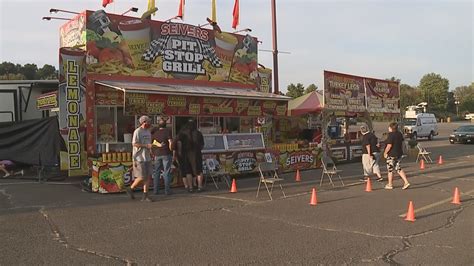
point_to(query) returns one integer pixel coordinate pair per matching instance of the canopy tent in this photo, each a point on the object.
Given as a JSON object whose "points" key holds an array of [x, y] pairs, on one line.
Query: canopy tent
{"points": [[309, 103]]}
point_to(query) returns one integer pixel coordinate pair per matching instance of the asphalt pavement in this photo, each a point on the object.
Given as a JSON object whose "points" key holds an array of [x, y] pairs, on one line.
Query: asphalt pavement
{"points": [[58, 223]]}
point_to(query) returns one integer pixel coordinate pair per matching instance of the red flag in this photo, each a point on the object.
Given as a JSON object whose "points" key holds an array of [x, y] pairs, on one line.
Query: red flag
{"points": [[235, 15], [181, 9], [106, 2]]}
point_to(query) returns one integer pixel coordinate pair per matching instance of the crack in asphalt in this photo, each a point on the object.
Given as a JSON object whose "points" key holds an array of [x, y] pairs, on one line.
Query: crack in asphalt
{"points": [[389, 256], [61, 239]]}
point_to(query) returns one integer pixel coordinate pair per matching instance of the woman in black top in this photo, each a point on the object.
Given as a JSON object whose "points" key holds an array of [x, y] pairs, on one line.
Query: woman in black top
{"points": [[191, 142], [393, 152]]}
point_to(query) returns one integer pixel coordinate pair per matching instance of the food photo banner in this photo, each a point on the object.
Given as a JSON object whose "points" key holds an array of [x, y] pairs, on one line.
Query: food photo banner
{"points": [[120, 45], [356, 94], [382, 96], [343, 92], [141, 103]]}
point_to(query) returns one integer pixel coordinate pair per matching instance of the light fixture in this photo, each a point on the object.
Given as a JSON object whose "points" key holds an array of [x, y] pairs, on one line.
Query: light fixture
{"points": [[56, 18], [55, 10], [243, 30], [132, 9]]}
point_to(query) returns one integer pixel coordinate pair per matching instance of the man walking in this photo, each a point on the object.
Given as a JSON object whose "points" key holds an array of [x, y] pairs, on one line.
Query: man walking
{"points": [[370, 154], [393, 152], [162, 146], [141, 156]]}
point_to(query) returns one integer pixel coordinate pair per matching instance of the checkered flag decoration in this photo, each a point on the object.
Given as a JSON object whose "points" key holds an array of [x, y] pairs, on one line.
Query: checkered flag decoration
{"points": [[156, 49], [210, 54]]}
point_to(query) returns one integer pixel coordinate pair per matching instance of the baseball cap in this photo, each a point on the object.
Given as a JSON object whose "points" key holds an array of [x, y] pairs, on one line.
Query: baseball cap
{"points": [[364, 130], [144, 119]]}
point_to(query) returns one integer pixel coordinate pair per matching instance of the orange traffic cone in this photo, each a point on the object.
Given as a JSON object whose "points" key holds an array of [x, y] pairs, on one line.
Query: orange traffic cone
{"points": [[411, 213], [440, 160], [298, 176], [456, 197], [314, 199], [422, 164], [233, 189], [368, 187]]}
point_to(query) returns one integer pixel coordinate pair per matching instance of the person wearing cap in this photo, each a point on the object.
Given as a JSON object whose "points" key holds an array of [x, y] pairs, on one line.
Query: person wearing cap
{"points": [[370, 154], [141, 156]]}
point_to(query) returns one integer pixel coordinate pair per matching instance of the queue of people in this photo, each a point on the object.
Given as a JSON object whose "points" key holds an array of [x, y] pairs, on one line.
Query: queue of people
{"points": [[155, 152]]}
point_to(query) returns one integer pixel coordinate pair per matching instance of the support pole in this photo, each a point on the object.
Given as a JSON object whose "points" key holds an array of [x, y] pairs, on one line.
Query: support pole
{"points": [[275, 49]]}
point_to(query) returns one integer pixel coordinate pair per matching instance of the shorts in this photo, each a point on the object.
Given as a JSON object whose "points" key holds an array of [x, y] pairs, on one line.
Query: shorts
{"points": [[393, 163], [371, 165], [142, 169]]}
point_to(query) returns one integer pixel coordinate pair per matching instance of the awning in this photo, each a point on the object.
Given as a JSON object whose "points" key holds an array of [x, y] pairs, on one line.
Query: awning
{"points": [[306, 104], [149, 98], [236, 93]]}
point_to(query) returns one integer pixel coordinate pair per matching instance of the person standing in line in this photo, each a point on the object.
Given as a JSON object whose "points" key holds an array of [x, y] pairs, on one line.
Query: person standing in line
{"points": [[162, 146], [370, 154], [141, 156], [393, 153], [195, 154]]}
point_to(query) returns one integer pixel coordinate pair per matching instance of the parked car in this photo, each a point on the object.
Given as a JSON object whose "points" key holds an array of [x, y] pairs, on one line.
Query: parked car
{"points": [[463, 134], [469, 116]]}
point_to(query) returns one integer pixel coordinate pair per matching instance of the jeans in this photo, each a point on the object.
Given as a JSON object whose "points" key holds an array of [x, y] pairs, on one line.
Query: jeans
{"points": [[162, 163]]}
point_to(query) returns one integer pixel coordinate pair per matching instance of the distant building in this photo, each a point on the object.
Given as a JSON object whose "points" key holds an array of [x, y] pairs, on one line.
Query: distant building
{"points": [[18, 99]]}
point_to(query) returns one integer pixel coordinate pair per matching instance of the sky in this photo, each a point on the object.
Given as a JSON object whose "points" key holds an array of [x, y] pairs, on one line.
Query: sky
{"points": [[405, 39]]}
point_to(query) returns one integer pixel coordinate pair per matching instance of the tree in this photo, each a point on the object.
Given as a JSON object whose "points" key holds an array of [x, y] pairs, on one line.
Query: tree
{"points": [[295, 91], [47, 72], [465, 96], [310, 88], [29, 71], [434, 91], [408, 96]]}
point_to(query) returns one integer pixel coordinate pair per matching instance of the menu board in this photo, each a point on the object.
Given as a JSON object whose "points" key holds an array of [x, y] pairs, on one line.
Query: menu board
{"points": [[343, 92], [250, 141], [213, 143], [382, 96]]}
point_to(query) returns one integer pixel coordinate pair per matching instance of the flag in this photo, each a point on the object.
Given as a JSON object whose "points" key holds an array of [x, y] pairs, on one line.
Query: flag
{"points": [[213, 11], [151, 5], [106, 2], [235, 15], [181, 9]]}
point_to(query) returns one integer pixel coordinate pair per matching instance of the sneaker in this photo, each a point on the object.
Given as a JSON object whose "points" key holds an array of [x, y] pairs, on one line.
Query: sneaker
{"points": [[388, 186], [146, 198], [380, 179], [200, 190], [130, 193], [7, 175], [406, 186], [363, 179]]}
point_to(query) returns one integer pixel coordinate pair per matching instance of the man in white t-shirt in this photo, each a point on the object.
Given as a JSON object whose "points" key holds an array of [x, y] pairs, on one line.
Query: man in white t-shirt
{"points": [[141, 156]]}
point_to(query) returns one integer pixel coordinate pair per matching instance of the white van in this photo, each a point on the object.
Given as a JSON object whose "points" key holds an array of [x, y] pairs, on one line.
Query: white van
{"points": [[421, 125]]}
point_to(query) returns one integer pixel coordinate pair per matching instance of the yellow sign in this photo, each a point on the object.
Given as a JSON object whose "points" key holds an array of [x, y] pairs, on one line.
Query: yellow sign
{"points": [[72, 97], [47, 101]]}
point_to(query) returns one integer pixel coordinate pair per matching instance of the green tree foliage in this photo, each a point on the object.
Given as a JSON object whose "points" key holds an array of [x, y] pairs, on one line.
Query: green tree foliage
{"points": [[295, 91], [47, 72], [465, 96], [434, 91], [310, 88], [10, 71], [408, 96], [29, 71]]}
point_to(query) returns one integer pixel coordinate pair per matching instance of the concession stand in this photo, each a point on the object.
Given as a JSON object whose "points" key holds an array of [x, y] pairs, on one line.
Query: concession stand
{"points": [[299, 134], [349, 102], [115, 68]]}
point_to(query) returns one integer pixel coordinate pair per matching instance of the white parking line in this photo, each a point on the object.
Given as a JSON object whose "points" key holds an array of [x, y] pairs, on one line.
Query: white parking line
{"points": [[432, 205]]}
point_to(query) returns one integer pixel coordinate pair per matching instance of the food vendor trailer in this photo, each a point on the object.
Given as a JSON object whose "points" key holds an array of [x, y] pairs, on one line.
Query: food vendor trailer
{"points": [[351, 101], [115, 68]]}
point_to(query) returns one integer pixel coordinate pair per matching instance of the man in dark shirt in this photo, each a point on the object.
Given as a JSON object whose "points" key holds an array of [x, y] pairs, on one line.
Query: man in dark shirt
{"points": [[393, 152], [162, 143], [370, 154]]}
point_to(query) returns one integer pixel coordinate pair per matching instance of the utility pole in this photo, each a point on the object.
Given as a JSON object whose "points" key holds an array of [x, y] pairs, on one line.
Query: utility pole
{"points": [[275, 49]]}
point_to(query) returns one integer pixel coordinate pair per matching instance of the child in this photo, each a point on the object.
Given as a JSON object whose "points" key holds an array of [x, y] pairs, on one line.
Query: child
{"points": [[7, 164]]}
